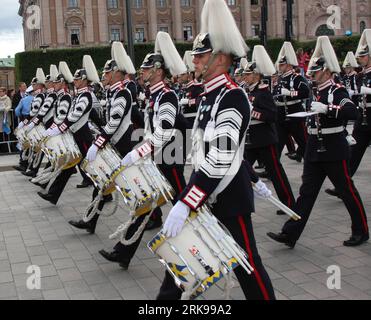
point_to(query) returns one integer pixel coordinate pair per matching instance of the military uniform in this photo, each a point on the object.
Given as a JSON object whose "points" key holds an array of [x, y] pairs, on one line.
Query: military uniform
{"points": [[329, 159], [262, 141], [293, 104], [362, 127], [223, 179]]}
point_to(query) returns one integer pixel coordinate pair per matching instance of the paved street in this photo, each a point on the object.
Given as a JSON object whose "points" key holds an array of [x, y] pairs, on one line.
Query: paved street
{"points": [[32, 232]]}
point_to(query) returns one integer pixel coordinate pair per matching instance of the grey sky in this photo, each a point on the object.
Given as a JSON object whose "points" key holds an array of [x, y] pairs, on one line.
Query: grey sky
{"points": [[11, 33]]}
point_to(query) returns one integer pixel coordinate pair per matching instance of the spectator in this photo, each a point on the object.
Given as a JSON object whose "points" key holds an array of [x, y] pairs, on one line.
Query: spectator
{"points": [[5, 107], [21, 93], [22, 111], [301, 60]]}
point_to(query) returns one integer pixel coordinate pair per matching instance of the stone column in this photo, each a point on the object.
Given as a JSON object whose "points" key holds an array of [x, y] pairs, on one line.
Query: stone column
{"points": [[89, 27], [246, 19], [152, 20], [198, 7], [103, 22], [177, 21], [280, 23], [61, 30], [45, 20], [301, 19], [353, 16]]}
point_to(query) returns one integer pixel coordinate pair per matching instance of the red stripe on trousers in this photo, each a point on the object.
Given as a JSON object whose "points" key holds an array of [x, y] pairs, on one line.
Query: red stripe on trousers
{"points": [[177, 180], [276, 166], [363, 216], [249, 252]]}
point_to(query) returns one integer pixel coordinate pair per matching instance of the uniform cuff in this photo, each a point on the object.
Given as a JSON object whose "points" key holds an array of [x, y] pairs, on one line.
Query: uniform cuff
{"points": [[194, 198], [63, 127], [145, 150], [100, 142]]}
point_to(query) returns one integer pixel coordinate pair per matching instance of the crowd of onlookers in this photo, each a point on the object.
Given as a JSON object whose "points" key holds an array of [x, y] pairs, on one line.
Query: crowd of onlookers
{"points": [[10, 102]]}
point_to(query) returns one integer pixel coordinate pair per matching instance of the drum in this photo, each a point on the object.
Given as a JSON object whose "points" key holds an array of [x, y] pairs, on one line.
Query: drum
{"points": [[201, 254], [35, 137], [142, 185], [22, 138], [62, 151]]}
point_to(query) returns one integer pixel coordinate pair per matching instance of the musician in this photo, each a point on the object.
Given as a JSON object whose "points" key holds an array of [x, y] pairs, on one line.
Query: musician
{"points": [[119, 128], [162, 111], [45, 113], [293, 91], [327, 153], [220, 177], [261, 141], [77, 122], [38, 84]]}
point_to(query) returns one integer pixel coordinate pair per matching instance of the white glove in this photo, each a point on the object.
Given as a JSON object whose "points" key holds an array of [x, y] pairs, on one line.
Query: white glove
{"points": [[130, 158], [184, 102], [92, 153], [319, 107], [285, 92], [30, 126], [141, 96], [365, 90], [52, 132], [261, 190], [351, 93], [21, 125], [351, 140], [176, 219]]}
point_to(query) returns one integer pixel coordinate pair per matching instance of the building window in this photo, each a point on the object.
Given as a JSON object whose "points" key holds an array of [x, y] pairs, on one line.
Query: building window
{"points": [[231, 3], [75, 37], [164, 29], [161, 3], [115, 35], [362, 26], [254, 2], [256, 30], [185, 3], [137, 4], [139, 35], [324, 30], [112, 4], [72, 4], [188, 33]]}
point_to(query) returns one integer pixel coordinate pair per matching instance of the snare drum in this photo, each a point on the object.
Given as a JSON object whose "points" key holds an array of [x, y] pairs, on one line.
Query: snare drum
{"points": [[142, 185], [201, 254], [62, 151]]}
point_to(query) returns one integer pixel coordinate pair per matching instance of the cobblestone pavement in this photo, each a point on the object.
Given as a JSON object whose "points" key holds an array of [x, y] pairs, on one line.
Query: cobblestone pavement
{"points": [[32, 232]]}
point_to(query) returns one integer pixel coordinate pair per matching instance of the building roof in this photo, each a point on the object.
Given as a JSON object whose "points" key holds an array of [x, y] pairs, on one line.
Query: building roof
{"points": [[7, 62]]}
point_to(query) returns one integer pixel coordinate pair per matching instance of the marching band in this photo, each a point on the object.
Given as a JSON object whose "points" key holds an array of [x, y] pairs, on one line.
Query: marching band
{"points": [[91, 122]]}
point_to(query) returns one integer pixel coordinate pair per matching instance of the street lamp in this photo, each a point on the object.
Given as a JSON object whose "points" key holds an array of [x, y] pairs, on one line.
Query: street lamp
{"points": [[264, 19], [289, 30]]}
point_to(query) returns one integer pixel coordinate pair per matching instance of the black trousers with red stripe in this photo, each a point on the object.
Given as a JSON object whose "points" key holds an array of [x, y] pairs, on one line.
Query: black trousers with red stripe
{"points": [[363, 139], [256, 286], [313, 177], [269, 156], [297, 130], [175, 176]]}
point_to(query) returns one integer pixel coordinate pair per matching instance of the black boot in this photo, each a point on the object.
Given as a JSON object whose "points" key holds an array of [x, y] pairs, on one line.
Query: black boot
{"points": [[356, 240], [20, 168], [115, 256], [84, 184], [48, 197], [295, 157], [333, 193], [280, 213], [81, 224], [282, 238], [30, 173]]}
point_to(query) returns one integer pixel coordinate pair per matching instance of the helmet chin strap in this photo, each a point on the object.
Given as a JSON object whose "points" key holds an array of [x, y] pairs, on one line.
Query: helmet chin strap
{"points": [[207, 66], [147, 82]]}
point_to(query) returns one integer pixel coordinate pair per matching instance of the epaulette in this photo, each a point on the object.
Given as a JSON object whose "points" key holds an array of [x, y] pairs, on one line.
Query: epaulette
{"points": [[263, 86]]}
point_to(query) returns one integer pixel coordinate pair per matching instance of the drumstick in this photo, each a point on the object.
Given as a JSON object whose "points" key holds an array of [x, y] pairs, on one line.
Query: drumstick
{"points": [[281, 206]]}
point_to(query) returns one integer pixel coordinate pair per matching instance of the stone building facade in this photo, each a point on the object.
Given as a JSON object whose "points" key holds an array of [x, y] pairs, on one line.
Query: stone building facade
{"points": [[69, 23]]}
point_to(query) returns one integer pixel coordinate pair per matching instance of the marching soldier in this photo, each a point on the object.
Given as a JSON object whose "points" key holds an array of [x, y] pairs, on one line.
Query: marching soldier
{"points": [[163, 110], [292, 92], [77, 122], [261, 141], [220, 177], [119, 128], [362, 127], [327, 153]]}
